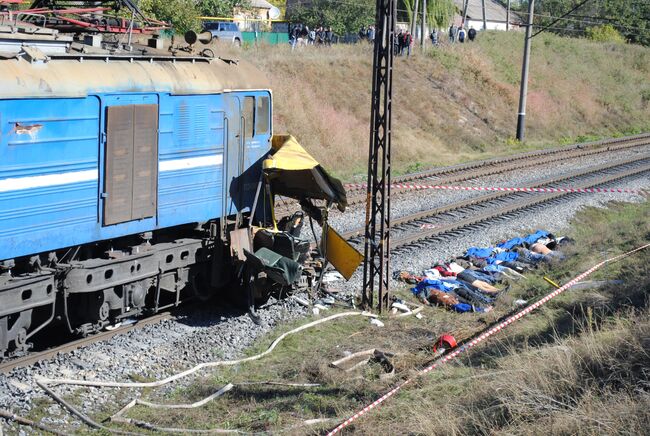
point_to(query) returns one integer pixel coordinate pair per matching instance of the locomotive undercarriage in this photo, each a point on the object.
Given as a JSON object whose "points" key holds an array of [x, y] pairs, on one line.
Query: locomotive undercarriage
{"points": [[87, 295]]}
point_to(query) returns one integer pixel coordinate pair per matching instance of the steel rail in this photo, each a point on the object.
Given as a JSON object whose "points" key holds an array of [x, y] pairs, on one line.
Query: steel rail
{"points": [[498, 165], [460, 173], [32, 358], [481, 199], [531, 202]]}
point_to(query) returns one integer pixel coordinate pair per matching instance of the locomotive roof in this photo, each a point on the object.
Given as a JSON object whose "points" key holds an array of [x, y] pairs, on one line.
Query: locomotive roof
{"points": [[66, 69]]}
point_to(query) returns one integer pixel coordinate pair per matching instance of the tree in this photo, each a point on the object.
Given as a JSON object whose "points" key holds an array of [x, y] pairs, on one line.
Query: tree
{"points": [[439, 12], [629, 17], [183, 15], [605, 33], [221, 8], [343, 16]]}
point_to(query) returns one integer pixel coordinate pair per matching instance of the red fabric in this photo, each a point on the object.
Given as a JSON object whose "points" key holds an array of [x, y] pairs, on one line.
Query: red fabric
{"points": [[444, 271]]}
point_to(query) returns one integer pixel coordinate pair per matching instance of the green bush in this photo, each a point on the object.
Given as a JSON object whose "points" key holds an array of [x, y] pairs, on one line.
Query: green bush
{"points": [[604, 33], [183, 15]]}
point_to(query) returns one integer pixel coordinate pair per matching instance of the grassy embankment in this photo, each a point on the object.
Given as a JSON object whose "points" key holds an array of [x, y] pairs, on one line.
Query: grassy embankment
{"points": [[457, 102], [578, 365]]}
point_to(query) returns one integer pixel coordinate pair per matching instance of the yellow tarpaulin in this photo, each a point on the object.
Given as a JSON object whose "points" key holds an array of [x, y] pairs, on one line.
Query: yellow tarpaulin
{"points": [[293, 172], [289, 155]]}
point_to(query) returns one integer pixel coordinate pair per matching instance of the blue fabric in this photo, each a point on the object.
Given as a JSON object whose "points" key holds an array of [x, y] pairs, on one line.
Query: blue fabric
{"points": [[532, 238], [506, 256], [464, 307], [461, 289], [511, 243], [441, 285], [493, 268], [479, 252]]}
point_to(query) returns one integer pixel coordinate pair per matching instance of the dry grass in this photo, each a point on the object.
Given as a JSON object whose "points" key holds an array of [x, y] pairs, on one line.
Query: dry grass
{"points": [[579, 365], [456, 103]]}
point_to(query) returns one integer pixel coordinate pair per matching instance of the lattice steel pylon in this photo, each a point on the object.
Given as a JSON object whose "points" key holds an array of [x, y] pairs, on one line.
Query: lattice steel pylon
{"points": [[376, 271]]}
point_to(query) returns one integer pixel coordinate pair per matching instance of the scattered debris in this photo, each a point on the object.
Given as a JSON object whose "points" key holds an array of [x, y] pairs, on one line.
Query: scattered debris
{"points": [[519, 303], [300, 301], [401, 306], [375, 321], [332, 276], [369, 356]]}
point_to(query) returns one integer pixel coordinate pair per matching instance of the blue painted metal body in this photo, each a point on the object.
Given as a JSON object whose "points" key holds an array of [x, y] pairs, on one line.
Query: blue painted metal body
{"points": [[52, 165]]}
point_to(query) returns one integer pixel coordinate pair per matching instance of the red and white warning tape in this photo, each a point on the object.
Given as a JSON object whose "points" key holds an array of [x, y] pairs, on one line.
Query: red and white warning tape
{"points": [[492, 188], [495, 329]]}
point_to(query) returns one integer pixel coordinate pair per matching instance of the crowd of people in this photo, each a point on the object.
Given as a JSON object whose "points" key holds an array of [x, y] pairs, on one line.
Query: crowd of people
{"points": [[403, 43], [303, 35], [457, 34], [367, 33]]}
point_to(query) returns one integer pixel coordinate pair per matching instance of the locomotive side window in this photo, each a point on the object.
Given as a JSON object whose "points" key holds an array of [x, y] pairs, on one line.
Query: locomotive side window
{"points": [[249, 116], [262, 115]]}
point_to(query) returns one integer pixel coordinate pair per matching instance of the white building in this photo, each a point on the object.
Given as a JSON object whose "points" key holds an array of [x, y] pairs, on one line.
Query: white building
{"points": [[495, 15]]}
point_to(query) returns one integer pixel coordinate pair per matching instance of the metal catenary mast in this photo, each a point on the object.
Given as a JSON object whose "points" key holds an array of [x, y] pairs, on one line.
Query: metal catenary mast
{"points": [[376, 272]]}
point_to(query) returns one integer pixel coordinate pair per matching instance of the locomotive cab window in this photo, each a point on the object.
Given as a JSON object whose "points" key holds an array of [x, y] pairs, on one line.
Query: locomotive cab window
{"points": [[249, 116], [262, 116]]}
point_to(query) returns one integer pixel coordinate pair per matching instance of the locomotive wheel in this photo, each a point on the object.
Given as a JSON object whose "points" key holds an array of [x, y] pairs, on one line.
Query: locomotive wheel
{"points": [[104, 311], [202, 290], [21, 339]]}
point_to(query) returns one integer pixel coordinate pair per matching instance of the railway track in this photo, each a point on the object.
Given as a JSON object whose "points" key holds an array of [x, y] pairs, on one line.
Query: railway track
{"points": [[490, 167], [501, 165], [491, 200], [476, 212], [32, 358]]}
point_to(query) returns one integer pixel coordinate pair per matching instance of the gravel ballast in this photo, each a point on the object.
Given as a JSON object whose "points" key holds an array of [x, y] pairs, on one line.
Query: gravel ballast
{"points": [[212, 333]]}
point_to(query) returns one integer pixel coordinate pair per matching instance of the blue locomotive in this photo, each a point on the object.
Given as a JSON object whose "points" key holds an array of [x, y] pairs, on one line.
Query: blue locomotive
{"points": [[115, 174]]}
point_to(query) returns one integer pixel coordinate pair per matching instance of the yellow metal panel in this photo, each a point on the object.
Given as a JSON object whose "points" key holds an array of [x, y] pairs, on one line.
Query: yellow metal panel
{"points": [[345, 258]]}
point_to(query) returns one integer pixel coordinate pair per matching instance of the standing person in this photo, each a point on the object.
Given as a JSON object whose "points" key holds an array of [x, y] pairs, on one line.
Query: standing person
{"points": [[303, 35], [400, 42], [461, 35], [471, 33], [453, 30], [434, 37], [329, 36], [294, 36], [362, 33], [408, 41], [371, 34], [312, 36], [320, 36]]}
